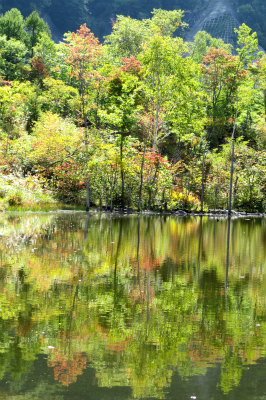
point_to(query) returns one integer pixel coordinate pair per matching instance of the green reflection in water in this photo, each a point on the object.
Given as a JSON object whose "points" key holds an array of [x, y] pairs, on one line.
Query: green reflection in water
{"points": [[105, 307]]}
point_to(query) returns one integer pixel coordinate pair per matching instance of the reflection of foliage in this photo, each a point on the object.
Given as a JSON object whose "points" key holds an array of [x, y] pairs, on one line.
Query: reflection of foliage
{"points": [[66, 371], [135, 297]]}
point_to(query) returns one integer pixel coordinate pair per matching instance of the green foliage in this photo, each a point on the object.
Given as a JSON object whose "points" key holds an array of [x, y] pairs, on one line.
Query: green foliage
{"points": [[59, 98], [203, 41], [127, 38], [129, 35], [12, 58], [12, 25], [142, 121], [28, 191], [35, 26]]}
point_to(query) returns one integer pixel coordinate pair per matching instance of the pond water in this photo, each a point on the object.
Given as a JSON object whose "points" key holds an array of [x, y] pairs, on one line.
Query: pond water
{"points": [[126, 307]]}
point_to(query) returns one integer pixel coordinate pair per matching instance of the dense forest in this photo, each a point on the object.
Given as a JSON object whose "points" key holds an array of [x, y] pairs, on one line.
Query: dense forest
{"points": [[99, 14], [144, 120]]}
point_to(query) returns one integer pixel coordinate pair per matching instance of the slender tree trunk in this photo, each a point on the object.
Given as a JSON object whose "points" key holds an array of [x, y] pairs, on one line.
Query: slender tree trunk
{"points": [[128, 197], [156, 127], [122, 174], [88, 195], [202, 180], [234, 192], [216, 197], [231, 177], [85, 122], [216, 189], [149, 202], [101, 203], [106, 200], [113, 181], [210, 134], [162, 200], [96, 111], [232, 166], [111, 198], [141, 176]]}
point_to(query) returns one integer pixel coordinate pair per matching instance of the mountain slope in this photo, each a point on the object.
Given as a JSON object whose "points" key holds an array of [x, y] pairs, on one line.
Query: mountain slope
{"points": [[218, 17]]}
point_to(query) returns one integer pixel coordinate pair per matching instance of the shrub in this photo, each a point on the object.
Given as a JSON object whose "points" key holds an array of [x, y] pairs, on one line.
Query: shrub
{"points": [[184, 201]]}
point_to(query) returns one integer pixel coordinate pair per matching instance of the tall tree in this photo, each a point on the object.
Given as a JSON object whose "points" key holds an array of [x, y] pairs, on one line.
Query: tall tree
{"points": [[35, 26], [12, 25], [83, 57]]}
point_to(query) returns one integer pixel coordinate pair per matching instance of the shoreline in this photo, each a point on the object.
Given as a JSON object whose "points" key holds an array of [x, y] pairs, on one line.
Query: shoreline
{"points": [[219, 214]]}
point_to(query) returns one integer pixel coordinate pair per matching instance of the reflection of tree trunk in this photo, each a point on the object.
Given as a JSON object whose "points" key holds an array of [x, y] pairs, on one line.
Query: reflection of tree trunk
{"points": [[109, 229], [68, 332], [148, 297], [116, 257], [199, 247], [227, 252], [86, 229], [138, 244]]}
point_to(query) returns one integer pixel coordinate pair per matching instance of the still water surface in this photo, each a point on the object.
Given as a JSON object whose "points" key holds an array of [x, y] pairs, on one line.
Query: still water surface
{"points": [[101, 308]]}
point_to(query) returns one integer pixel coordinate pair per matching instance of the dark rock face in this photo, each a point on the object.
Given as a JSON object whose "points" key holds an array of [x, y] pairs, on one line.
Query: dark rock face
{"points": [[219, 19]]}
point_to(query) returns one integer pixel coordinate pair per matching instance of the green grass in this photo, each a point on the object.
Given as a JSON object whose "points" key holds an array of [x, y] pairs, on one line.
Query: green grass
{"points": [[46, 207]]}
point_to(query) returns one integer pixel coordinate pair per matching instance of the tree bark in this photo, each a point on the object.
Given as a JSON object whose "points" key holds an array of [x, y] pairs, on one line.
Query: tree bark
{"points": [[202, 180], [122, 174], [156, 128], [141, 176], [232, 167], [88, 195]]}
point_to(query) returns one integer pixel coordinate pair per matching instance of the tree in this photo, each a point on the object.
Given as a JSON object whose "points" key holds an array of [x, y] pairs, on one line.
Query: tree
{"points": [[35, 26], [122, 107], [159, 61], [129, 35], [12, 25], [203, 41], [126, 39], [59, 98], [83, 57], [12, 58]]}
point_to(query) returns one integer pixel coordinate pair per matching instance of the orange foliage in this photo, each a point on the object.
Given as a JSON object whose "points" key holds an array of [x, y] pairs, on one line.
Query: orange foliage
{"points": [[131, 65], [67, 371]]}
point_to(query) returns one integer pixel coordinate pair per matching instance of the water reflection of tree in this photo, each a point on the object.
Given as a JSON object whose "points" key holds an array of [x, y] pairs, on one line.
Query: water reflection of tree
{"points": [[125, 297]]}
